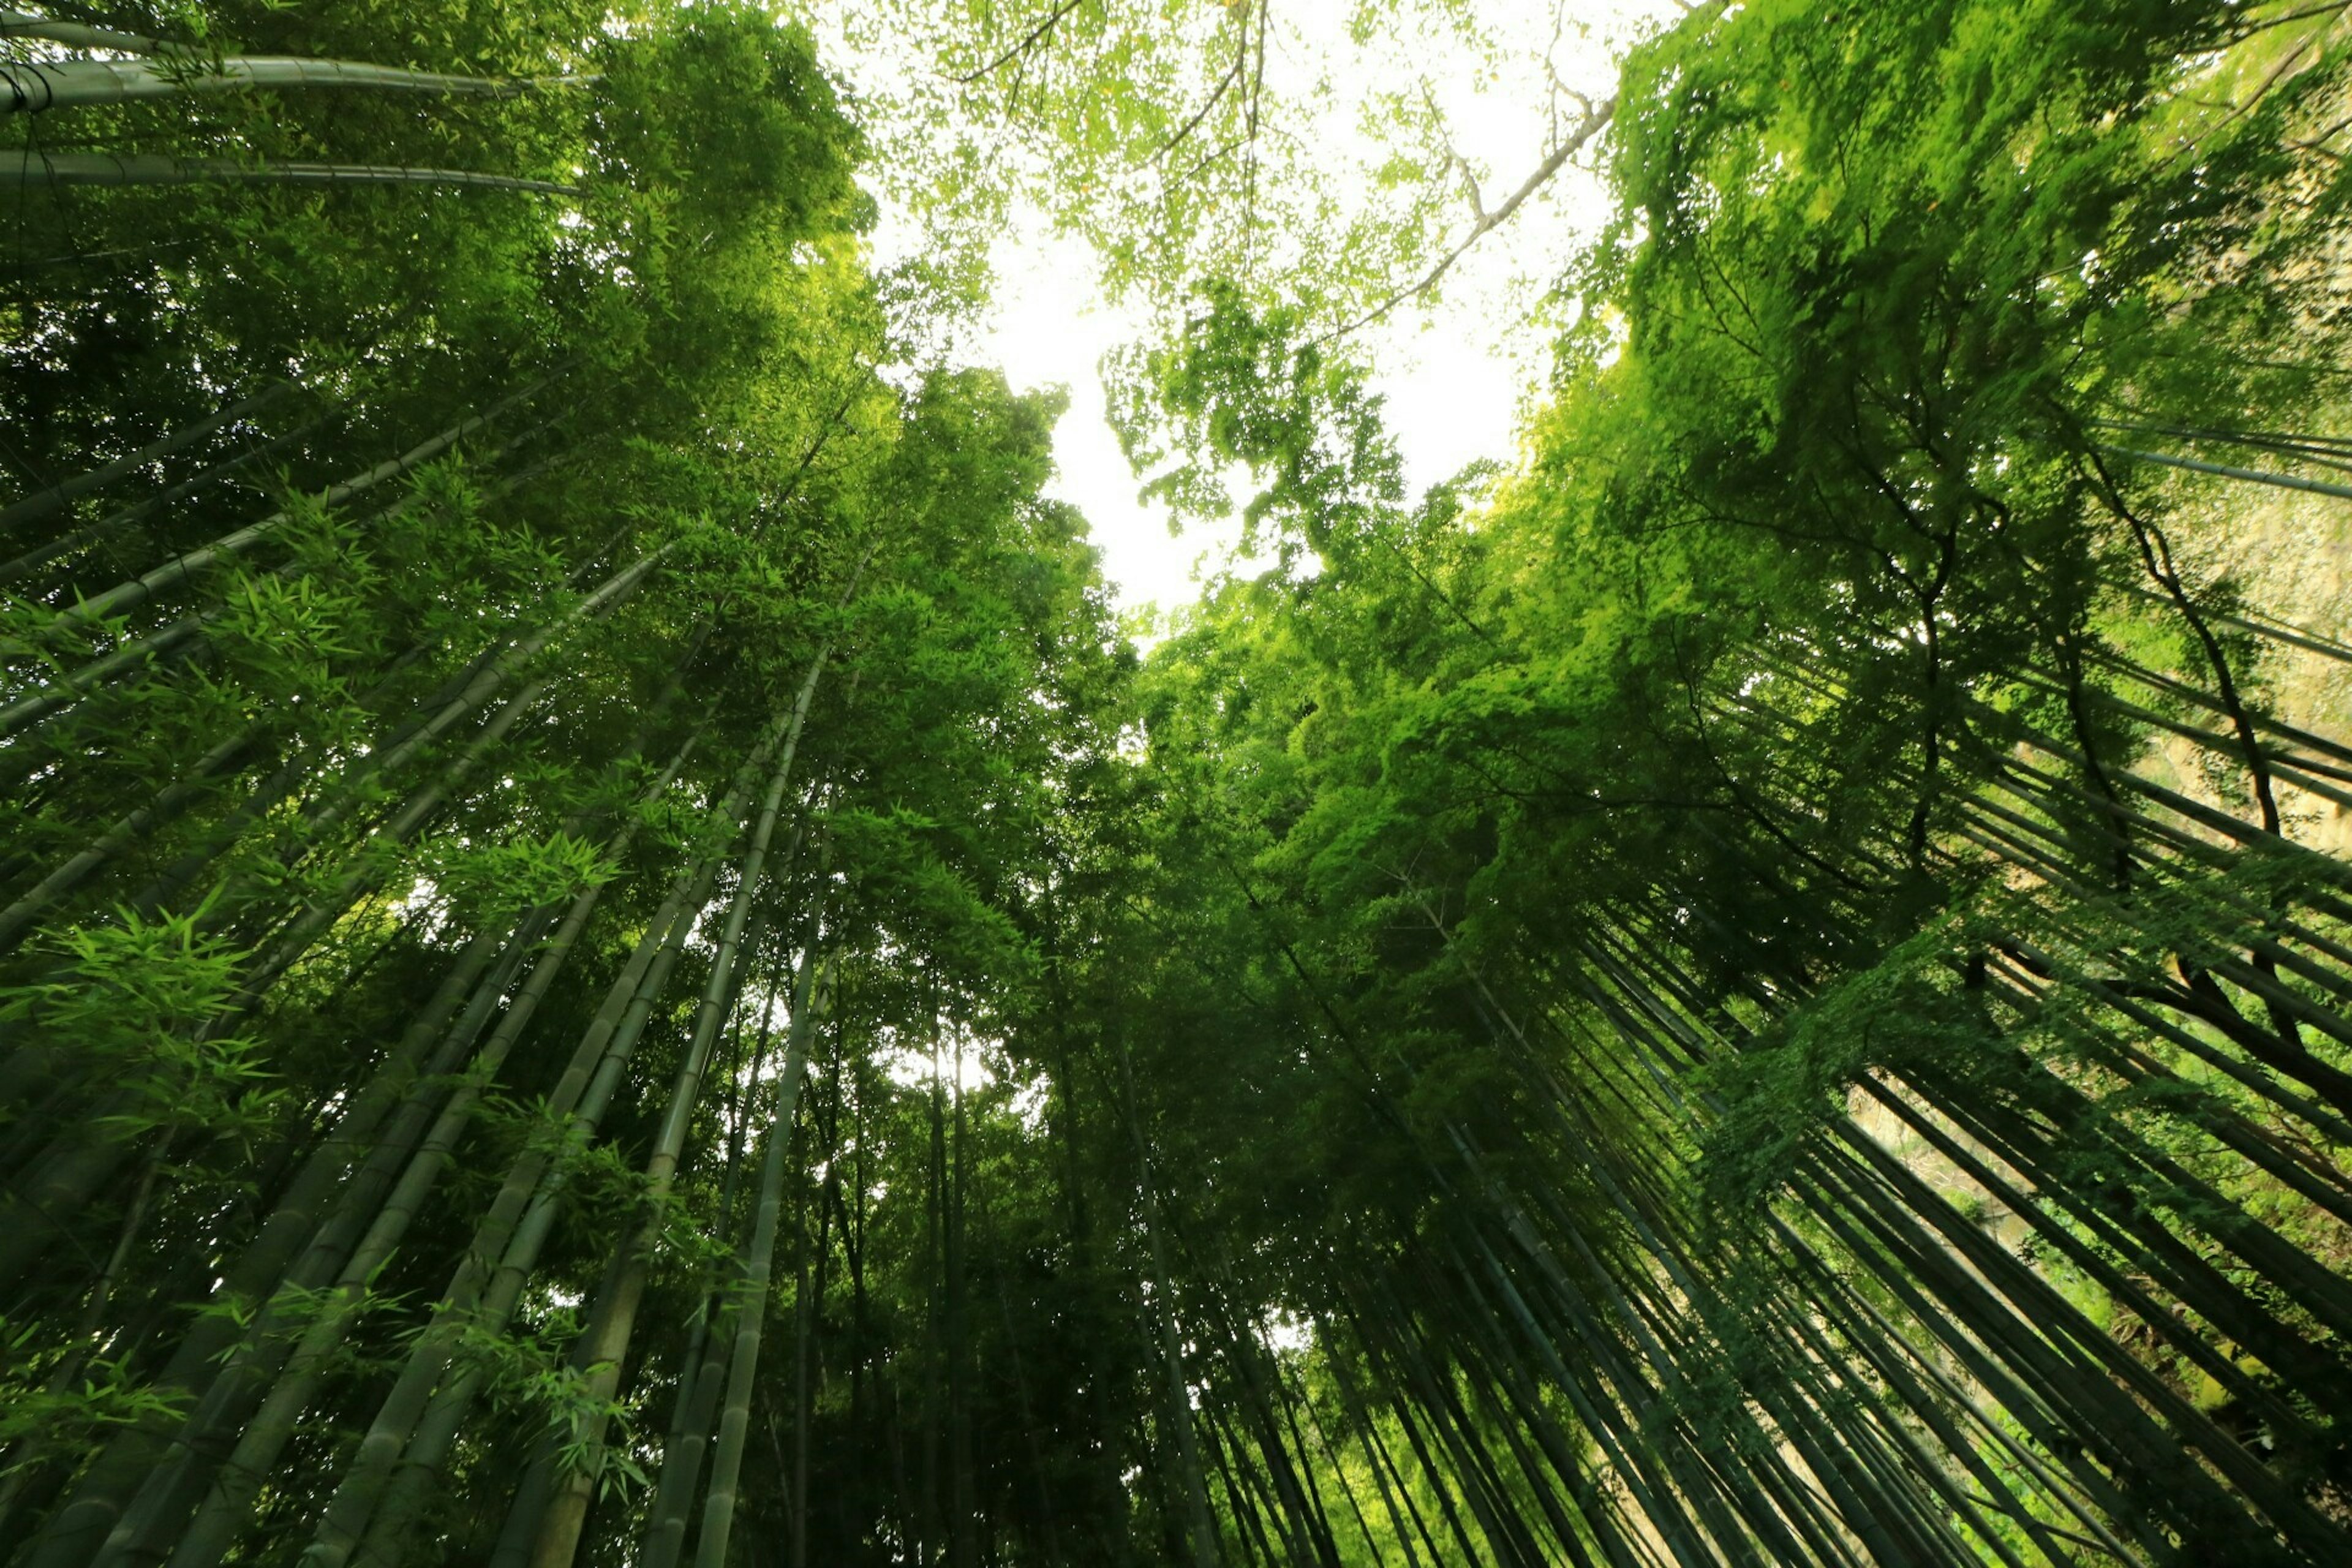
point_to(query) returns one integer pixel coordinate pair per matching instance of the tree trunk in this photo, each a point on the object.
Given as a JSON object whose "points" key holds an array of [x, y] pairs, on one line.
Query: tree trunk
{"points": [[34, 87], [52, 499], [704, 1368], [29, 169], [1201, 1530], [607, 1339], [759, 1265]]}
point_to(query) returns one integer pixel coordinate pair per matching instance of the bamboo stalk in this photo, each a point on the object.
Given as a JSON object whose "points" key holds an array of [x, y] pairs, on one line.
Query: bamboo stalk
{"points": [[36, 87], [26, 169]]}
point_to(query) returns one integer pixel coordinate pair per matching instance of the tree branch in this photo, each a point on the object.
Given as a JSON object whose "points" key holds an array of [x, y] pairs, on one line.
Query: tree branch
{"points": [[1595, 121], [1456, 161], [1029, 41], [1225, 84]]}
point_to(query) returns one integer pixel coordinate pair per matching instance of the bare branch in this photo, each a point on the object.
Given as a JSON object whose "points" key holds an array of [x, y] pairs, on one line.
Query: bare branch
{"points": [[1257, 76], [1029, 41], [1254, 97], [1205, 159], [1225, 84], [2292, 63], [1595, 121], [2250, 26], [1455, 160]]}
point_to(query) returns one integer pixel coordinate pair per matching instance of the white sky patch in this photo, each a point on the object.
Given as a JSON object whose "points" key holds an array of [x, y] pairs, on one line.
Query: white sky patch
{"points": [[1289, 1334], [1031, 1102], [911, 1064], [423, 907], [1051, 326], [1457, 371]]}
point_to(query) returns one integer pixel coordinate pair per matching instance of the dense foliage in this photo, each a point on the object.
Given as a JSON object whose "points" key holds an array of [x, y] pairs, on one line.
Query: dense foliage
{"points": [[608, 956]]}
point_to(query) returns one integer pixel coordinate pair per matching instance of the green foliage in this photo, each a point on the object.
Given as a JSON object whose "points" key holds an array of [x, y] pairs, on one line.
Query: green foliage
{"points": [[1242, 387], [47, 1398], [518, 875], [141, 1002], [1729, 991], [524, 1377]]}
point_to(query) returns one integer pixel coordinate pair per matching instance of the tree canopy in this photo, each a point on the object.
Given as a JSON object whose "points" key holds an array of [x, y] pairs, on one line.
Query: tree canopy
{"points": [[611, 953]]}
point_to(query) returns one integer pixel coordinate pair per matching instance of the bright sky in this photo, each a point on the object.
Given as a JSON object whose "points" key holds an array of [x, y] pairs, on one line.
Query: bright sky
{"points": [[1454, 375], [1450, 402], [1051, 326]]}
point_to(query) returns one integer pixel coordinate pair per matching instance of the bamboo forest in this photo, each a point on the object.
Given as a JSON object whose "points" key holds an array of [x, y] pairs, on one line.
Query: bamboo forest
{"points": [[618, 946]]}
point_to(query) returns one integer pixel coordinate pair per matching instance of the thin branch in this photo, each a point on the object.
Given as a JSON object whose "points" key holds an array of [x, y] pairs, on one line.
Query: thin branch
{"points": [[1551, 45], [1225, 84], [2156, 554], [2250, 27], [1460, 164], [1595, 121], [1205, 159], [1029, 42], [2290, 64]]}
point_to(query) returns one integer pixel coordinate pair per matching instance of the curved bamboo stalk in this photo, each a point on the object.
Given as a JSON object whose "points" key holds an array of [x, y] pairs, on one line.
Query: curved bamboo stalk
{"points": [[121, 169], [490, 1275], [83, 1522], [214, 1529], [703, 1370], [36, 87], [83, 1160], [121, 522], [809, 998], [181, 568], [606, 1343], [50, 500]]}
